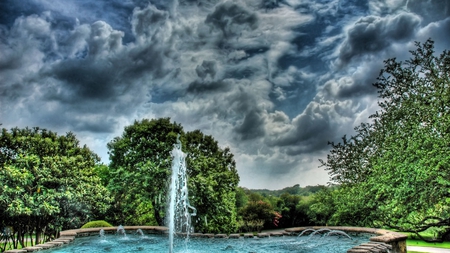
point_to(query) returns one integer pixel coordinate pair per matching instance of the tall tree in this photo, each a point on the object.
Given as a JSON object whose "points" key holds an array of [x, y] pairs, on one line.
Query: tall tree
{"points": [[47, 183], [213, 181], [399, 164], [140, 166], [140, 169]]}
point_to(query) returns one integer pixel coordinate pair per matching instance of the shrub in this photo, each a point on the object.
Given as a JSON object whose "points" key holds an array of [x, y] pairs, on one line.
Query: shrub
{"points": [[97, 224]]}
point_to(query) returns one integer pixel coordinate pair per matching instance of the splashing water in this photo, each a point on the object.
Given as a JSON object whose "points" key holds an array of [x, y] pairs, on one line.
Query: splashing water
{"points": [[179, 211], [338, 232], [140, 232], [121, 231], [325, 232], [101, 233]]}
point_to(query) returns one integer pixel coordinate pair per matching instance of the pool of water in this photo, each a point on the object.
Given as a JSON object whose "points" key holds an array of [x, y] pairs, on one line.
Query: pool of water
{"points": [[159, 243]]}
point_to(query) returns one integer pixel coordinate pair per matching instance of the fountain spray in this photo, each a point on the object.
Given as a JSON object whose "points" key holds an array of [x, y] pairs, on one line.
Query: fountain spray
{"points": [[179, 211]]}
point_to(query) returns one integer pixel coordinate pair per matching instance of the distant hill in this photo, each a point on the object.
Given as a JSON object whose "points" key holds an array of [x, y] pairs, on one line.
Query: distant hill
{"points": [[293, 190]]}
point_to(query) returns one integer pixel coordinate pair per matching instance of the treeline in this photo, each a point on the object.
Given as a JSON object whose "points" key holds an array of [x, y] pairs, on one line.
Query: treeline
{"points": [[293, 190], [50, 183], [275, 209]]}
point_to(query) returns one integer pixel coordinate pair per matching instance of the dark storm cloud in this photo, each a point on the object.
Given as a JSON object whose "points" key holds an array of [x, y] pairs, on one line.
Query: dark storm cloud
{"points": [[90, 120], [95, 124], [207, 68], [252, 126], [270, 4], [430, 11], [197, 87], [308, 133], [356, 86], [437, 31], [11, 9], [147, 21], [372, 34], [86, 79], [231, 18]]}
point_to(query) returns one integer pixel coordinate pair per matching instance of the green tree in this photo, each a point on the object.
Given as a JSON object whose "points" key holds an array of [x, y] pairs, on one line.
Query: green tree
{"points": [[47, 183], [241, 198], [293, 211], [213, 180], [398, 165], [256, 215], [140, 170]]}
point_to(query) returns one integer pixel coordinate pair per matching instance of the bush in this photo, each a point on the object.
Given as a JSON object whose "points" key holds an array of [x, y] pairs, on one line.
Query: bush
{"points": [[97, 224]]}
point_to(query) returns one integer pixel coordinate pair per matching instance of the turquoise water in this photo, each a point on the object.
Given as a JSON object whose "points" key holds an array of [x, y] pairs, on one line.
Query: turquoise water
{"points": [[159, 243]]}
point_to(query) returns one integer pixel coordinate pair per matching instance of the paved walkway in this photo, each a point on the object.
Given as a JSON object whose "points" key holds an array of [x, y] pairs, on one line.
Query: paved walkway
{"points": [[428, 249]]}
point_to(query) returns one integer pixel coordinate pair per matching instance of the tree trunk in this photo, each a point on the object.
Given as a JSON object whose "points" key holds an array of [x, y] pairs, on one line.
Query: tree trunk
{"points": [[158, 218]]}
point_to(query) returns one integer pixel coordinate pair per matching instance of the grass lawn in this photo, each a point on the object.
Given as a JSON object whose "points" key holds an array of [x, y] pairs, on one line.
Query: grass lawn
{"points": [[414, 241], [420, 243]]}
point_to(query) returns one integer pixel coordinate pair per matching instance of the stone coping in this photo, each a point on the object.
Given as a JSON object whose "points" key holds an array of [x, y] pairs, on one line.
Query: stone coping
{"points": [[383, 239]]}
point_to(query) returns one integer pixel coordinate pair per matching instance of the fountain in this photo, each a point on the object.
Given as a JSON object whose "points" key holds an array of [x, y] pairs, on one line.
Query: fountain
{"points": [[320, 230], [179, 210], [327, 232], [140, 232], [121, 231], [339, 233], [101, 233]]}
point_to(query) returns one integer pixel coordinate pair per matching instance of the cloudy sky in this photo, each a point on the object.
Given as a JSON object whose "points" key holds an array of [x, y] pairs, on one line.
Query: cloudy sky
{"points": [[274, 80]]}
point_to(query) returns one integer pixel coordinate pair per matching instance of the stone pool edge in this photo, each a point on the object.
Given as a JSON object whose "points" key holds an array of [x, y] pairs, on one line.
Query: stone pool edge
{"points": [[383, 241]]}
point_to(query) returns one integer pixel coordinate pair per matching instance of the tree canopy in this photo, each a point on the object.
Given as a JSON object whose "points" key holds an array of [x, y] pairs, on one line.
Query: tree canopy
{"points": [[140, 169], [47, 183], [395, 170]]}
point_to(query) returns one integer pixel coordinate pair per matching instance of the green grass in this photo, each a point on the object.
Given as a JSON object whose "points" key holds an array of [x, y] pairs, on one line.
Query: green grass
{"points": [[420, 243], [413, 240], [27, 243]]}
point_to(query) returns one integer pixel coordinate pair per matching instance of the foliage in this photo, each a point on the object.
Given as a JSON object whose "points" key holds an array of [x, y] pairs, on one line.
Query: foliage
{"points": [[398, 165], [323, 207], [140, 169], [97, 224], [47, 183], [256, 214], [241, 198], [293, 190], [213, 180], [293, 210], [286, 208]]}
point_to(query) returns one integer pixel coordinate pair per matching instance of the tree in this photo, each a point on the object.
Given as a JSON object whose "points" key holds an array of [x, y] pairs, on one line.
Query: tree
{"points": [[399, 164], [213, 180], [256, 215], [47, 183], [140, 169], [293, 210]]}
